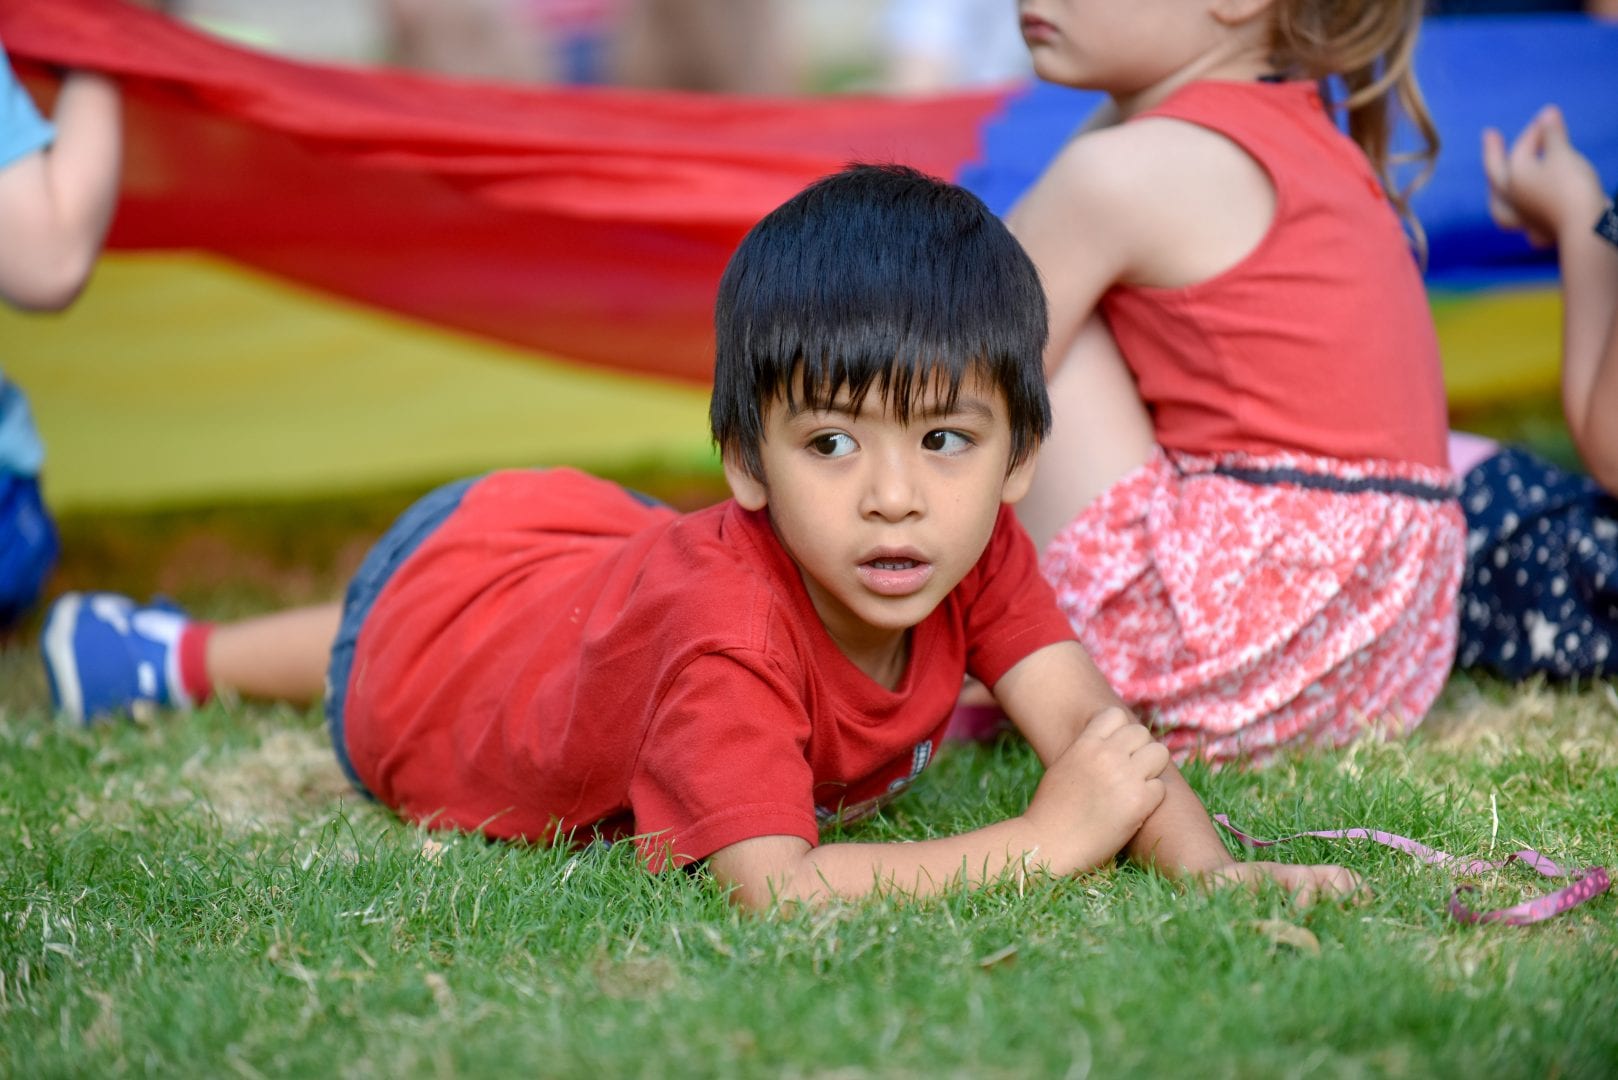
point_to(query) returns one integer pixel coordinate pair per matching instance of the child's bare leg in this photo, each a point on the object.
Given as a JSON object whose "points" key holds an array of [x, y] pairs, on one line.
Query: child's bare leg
{"points": [[280, 657], [1101, 433]]}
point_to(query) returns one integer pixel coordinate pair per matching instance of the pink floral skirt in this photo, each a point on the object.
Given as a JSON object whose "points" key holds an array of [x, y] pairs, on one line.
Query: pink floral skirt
{"points": [[1242, 603]]}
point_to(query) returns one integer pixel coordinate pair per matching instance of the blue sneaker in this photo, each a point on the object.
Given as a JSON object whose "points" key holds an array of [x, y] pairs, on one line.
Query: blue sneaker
{"points": [[104, 656]]}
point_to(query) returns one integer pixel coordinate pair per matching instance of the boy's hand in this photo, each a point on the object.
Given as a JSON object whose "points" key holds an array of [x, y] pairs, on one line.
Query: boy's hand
{"points": [[1542, 185], [1099, 792], [1305, 884]]}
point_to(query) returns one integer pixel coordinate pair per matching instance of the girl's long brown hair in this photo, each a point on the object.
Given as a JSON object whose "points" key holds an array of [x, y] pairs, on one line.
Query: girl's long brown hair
{"points": [[1370, 45]]}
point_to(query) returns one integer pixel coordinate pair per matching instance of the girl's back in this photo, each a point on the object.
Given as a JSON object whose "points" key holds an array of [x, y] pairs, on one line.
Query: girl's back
{"points": [[1319, 339]]}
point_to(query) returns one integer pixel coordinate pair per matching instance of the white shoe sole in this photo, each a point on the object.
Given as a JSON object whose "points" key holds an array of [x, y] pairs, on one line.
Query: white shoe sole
{"points": [[57, 644]]}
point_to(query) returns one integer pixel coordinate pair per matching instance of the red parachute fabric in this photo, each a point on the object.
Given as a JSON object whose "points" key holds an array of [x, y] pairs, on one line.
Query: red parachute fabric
{"points": [[590, 224]]}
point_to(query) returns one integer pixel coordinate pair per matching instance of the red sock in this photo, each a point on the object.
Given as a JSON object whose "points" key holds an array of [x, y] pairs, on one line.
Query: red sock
{"points": [[194, 661]]}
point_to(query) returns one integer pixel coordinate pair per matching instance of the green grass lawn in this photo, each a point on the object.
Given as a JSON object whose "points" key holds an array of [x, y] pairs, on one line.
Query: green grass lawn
{"points": [[203, 896]]}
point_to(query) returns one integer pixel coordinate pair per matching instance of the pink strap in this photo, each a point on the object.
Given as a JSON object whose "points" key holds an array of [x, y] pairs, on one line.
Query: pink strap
{"points": [[1586, 884]]}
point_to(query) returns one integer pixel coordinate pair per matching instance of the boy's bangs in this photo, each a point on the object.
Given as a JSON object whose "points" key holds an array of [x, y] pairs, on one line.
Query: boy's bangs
{"points": [[914, 378]]}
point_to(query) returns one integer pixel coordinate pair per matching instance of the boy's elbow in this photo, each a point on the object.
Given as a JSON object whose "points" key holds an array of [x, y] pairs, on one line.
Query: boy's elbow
{"points": [[782, 892], [752, 899], [765, 873]]}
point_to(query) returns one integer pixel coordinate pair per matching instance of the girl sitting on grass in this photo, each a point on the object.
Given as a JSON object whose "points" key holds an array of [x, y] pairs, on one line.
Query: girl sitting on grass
{"points": [[1246, 506]]}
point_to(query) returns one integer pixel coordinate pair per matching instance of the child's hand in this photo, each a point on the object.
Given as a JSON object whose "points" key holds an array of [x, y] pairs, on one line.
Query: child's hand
{"points": [[1096, 796], [1305, 884], [1542, 186]]}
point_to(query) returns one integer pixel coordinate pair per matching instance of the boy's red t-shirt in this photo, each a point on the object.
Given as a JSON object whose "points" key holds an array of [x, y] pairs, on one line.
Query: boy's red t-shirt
{"points": [[559, 657]]}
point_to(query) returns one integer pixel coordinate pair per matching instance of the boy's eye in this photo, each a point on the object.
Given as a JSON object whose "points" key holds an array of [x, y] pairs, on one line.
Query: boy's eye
{"points": [[948, 442], [832, 444]]}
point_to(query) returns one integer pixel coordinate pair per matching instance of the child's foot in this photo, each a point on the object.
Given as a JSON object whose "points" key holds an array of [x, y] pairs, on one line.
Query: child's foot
{"points": [[104, 656]]}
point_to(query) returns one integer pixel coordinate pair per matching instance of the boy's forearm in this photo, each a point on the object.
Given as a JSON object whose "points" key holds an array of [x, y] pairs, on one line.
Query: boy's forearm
{"points": [[761, 878], [921, 868], [1179, 838], [1053, 695], [1007, 849]]}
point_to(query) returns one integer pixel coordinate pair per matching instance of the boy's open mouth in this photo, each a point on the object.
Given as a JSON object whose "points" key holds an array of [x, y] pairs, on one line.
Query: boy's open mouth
{"points": [[895, 574]]}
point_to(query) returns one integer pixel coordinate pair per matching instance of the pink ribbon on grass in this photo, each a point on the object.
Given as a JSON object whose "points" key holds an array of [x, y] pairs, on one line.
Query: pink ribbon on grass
{"points": [[1585, 884]]}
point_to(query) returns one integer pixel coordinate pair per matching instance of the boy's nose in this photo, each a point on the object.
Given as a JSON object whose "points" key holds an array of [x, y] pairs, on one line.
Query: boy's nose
{"points": [[892, 491]]}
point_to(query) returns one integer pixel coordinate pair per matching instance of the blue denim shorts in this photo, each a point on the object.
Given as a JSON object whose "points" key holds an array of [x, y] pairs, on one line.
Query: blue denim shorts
{"points": [[407, 534], [28, 546]]}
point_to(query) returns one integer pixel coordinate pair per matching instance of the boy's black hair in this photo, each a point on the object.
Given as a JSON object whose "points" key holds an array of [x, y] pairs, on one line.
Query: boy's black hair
{"points": [[878, 275]]}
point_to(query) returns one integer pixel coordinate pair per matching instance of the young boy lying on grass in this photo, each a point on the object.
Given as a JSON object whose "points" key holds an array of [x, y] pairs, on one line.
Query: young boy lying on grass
{"points": [[534, 653]]}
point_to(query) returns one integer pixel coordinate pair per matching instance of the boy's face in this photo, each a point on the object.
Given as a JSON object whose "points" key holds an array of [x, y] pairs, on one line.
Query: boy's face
{"points": [[884, 517]]}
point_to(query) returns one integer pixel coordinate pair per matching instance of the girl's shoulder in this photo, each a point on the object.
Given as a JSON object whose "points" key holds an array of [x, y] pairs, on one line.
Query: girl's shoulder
{"points": [[1153, 159], [1109, 168], [1179, 202], [1147, 149]]}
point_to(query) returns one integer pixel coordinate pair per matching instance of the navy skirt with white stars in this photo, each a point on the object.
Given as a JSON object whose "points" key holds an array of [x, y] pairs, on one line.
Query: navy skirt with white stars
{"points": [[1540, 593]]}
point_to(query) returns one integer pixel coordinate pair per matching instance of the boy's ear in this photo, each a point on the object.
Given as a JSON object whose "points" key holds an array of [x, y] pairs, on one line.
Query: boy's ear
{"points": [[748, 490], [1018, 480], [1237, 12]]}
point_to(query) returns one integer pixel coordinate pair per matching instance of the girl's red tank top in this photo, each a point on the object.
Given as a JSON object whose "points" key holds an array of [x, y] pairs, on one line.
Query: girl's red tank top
{"points": [[1320, 339]]}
